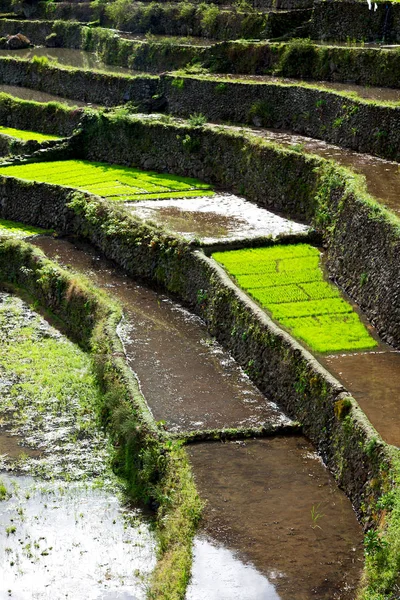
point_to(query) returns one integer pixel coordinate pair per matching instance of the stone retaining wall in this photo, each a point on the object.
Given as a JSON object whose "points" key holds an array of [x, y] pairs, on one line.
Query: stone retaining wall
{"points": [[341, 20], [361, 125], [280, 367], [87, 86]]}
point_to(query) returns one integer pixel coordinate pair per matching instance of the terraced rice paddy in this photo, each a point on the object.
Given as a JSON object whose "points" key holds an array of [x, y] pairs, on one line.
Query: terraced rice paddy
{"points": [[114, 182], [18, 230], [289, 282], [21, 134]]}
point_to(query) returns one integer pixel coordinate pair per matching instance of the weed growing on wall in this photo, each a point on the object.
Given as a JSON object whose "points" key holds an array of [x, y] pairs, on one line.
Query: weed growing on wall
{"points": [[113, 182], [289, 282]]}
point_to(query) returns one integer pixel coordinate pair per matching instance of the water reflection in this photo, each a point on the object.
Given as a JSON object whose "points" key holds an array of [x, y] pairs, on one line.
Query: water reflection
{"points": [[217, 574]]}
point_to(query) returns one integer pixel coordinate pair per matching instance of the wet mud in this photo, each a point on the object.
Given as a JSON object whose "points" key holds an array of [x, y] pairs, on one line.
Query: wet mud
{"points": [[188, 380], [294, 536], [223, 217], [67, 531], [373, 378]]}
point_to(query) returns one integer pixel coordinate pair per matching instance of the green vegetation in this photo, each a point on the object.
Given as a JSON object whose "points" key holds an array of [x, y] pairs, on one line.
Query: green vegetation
{"points": [[113, 182], [4, 495], [51, 381], [156, 469], [289, 282], [21, 134], [18, 230]]}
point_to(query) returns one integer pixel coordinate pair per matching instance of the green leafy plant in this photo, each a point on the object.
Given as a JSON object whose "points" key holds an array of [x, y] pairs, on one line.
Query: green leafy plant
{"points": [[197, 120]]}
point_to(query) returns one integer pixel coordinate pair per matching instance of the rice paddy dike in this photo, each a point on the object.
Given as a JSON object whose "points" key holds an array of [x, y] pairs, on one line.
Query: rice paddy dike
{"points": [[271, 320]]}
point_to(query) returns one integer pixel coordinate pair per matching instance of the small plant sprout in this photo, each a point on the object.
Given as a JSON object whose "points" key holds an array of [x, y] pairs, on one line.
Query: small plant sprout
{"points": [[316, 515]]}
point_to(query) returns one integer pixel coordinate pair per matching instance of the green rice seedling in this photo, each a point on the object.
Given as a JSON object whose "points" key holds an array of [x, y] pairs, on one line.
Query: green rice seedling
{"points": [[115, 182], [331, 333], [277, 295], [268, 279], [310, 308], [318, 290], [18, 230], [289, 282], [21, 134]]}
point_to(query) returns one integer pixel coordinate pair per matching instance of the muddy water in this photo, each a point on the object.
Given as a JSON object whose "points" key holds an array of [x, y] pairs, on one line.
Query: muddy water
{"points": [[363, 91], [293, 537], [67, 57], [373, 378], [188, 380], [28, 94], [382, 176], [222, 217]]}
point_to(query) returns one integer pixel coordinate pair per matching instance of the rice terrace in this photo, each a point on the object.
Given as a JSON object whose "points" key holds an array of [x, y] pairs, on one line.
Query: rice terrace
{"points": [[200, 300]]}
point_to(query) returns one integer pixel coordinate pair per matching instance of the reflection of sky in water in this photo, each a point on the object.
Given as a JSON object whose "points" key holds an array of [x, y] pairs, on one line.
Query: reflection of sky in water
{"points": [[218, 575], [238, 218], [71, 541]]}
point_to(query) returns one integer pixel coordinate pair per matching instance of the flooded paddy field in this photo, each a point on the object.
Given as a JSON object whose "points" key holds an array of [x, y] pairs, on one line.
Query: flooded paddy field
{"points": [[79, 59], [382, 176], [373, 378], [188, 380], [222, 217], [275, 526], [28, 94], [379, 94], [67, 530], [167, 39]]}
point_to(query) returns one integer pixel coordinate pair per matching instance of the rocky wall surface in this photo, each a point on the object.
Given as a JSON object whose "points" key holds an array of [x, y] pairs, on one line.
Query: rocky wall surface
{"points": [[361, 125], [280, 367], [340, 20], [307, 60], [84, 85], [51, 118]]}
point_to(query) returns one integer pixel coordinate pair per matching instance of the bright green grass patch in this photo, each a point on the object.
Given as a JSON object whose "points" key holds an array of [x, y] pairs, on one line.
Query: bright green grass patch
{"points": [[289, 282], [18, 230], [113, 182], [21, 134]]}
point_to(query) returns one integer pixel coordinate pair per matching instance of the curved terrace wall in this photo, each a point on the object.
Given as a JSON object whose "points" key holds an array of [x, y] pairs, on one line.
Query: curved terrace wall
{"points": [[88, 86], [299, 186], [352, 19], [361, 462], [362, 125], [153, 469]]}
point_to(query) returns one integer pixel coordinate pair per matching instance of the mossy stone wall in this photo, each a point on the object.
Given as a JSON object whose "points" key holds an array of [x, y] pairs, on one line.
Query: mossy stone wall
{"points": [[354, 123], [86, 86], [340, 20]]}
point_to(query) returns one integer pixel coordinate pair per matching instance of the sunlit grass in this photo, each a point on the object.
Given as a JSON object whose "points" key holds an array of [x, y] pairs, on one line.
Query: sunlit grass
{"points": [[289, 282], [113, 182], [18, 230], [22, 134]]}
